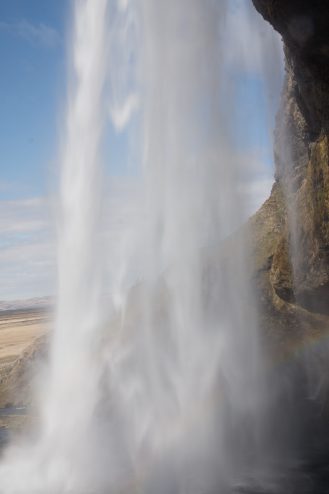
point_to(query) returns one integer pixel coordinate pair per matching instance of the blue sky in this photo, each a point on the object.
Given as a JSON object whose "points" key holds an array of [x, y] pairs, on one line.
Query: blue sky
{"points": [[32, 54], [32, 45], [32, 94]]}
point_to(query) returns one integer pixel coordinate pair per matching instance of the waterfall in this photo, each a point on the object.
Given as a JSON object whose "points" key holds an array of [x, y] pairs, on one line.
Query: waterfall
{"points": [[167, 393], [47, 463]]}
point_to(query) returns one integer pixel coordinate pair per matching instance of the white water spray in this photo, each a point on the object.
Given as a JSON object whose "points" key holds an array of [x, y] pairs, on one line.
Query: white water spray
{"points": [[167, 397], [54, 463]]}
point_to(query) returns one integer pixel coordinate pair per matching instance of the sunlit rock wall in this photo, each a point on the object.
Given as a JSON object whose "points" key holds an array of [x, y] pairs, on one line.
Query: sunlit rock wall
{"points": [[292, 228]]}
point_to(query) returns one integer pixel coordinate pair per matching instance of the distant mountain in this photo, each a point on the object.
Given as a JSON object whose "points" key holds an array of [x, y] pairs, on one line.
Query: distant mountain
{"points": [[30, 303]]}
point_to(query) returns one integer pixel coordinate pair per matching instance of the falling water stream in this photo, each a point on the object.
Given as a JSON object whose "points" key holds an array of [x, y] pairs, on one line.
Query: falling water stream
{"points": [[164, 393]]}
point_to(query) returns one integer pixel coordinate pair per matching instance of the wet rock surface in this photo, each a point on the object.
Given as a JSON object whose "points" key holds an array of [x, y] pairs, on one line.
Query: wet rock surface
{"points": [[290, 244], [296, 262]]}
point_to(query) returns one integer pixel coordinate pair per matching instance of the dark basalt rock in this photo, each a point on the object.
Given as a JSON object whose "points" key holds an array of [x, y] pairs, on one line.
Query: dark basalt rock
{"points": [[295, 283], [290, 233]]}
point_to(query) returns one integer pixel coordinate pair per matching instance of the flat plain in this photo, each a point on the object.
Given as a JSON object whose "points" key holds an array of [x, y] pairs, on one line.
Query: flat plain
{"points": [[18, 329]]}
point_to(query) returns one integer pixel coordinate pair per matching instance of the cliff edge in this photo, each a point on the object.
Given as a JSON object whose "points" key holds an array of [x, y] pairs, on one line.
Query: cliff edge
{"points": [[291, 230]]}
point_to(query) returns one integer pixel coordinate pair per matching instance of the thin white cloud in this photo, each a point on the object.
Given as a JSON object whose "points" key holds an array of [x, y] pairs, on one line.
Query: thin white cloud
{"points": [[28, 247], [27, 253], [35, 33], [23, 216]]}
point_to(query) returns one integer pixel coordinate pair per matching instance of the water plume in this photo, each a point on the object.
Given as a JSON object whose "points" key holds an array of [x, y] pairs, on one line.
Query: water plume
{"points": [[53, 463], [168, 394]]}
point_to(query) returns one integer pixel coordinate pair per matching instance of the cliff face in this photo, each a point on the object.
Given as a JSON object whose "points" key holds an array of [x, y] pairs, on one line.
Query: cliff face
{"points": [[291, 230]]}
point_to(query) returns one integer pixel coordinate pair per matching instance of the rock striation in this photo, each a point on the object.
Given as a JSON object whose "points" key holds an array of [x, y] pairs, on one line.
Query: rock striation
{"points": [[291, 230]]}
